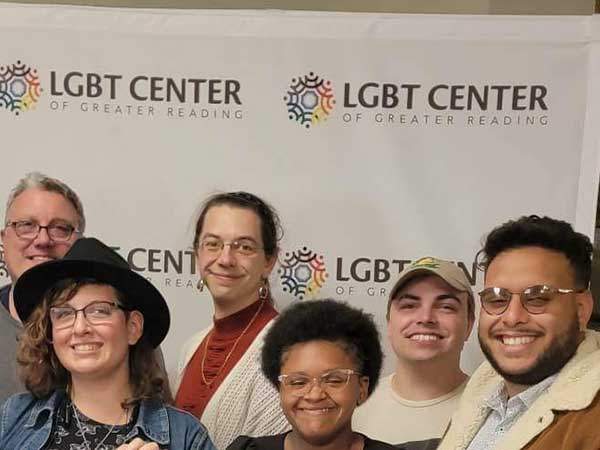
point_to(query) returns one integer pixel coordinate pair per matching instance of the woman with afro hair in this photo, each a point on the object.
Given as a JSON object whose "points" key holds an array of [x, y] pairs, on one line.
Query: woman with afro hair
{"points": [[324, 358]]}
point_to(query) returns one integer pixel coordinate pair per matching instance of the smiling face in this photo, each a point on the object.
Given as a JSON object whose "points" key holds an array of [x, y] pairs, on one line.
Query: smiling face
{"points": [[233, 278], [428, 320], [44, 208], [526, 348], [320, 416], [97, 351]]}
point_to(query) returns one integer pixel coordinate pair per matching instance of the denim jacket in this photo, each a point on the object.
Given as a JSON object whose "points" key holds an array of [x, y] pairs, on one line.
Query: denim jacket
{"points": [[26, 424]]}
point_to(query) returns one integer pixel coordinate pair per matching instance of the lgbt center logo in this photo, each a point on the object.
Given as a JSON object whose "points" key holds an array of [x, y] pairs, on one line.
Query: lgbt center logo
{"points": [[302, 273], [309, 100], [19, 87]]}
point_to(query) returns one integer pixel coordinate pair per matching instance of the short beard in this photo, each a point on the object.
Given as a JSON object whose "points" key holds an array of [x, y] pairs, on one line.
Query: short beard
{"points": [[551, 361]]}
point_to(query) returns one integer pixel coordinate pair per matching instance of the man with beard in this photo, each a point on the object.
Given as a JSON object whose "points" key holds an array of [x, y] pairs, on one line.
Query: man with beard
{"points": [[539, 387]]}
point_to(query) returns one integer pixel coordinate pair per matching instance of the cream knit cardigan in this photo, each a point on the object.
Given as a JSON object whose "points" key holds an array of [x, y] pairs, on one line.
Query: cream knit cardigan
{"points": [[245, 403]]}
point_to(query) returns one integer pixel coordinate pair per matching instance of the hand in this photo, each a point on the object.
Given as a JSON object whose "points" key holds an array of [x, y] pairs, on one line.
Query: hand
{"points": [[138, 444]]}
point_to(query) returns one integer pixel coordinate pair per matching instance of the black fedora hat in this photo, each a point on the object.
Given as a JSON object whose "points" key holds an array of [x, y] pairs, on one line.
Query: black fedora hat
{"points": [[90, 258]]}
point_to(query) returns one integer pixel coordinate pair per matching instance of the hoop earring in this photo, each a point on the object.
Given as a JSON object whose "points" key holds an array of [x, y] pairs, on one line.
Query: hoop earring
{"points": [[200, 285], [263, 291]]}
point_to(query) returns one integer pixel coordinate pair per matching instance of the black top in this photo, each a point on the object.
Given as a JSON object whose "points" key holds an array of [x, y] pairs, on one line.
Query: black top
{"points": [[429, 444], [68, 433], [276, 443]]}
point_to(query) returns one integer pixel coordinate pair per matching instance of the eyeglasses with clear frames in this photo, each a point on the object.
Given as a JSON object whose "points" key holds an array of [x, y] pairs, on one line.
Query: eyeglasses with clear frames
{"points": [[299, 384], [96, 313], [245, 247], [535, 299], [57, 231]]}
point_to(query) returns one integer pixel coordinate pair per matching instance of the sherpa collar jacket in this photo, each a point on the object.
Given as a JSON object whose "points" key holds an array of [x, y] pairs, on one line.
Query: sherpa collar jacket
{"points": [[566, 417]]}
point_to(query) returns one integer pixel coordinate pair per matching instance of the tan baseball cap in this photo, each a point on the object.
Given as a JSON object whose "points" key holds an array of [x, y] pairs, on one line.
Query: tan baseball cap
{"points": [[447, 271]]}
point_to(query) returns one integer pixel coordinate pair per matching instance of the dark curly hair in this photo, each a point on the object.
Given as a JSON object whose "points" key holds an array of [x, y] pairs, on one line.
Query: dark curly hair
{"points": [[327, 320], [544, 232], [270, 224]]}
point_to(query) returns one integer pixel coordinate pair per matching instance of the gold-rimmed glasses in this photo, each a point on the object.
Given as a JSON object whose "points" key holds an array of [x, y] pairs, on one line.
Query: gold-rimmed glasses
{"points": [[299, 384], [535, 299], [244, 246]]}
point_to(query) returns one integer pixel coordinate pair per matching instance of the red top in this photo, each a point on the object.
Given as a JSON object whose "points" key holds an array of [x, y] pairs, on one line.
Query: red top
{"points": [[194, 394]]}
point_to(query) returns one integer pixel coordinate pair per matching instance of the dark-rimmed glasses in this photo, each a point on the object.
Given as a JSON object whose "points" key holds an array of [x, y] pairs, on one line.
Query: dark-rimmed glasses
{"points": [[246, 247], [96, 313], [535, 299], [299, 384], [29, 229]]}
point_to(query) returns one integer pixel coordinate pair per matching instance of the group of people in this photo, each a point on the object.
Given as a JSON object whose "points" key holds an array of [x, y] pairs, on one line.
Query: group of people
{"points": [[82, 367]]}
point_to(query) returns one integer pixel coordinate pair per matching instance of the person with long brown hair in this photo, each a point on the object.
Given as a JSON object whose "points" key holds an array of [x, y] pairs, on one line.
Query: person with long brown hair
{"points": [[219, 378], [86, 356]]}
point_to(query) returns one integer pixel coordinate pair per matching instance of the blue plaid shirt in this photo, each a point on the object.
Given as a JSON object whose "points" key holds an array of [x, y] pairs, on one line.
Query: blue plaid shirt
{"points": [[503, 413]]}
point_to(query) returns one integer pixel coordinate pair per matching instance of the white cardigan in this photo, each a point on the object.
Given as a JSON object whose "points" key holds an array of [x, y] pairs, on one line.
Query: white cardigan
{"points": [[245, 403]]}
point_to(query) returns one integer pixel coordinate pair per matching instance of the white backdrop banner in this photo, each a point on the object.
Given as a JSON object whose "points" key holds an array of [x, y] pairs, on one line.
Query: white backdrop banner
{"points": [[378, 138]]}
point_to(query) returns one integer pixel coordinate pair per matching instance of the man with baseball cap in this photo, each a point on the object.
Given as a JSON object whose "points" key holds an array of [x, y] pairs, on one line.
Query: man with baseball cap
{"points": [[430, 314]]}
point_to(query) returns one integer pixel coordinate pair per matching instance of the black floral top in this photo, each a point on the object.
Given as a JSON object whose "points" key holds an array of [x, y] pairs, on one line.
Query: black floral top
{"points": [[87, 434]]}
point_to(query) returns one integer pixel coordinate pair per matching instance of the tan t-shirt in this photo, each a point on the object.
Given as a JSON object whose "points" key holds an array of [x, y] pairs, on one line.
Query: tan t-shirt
{"points": [[387, 417]]}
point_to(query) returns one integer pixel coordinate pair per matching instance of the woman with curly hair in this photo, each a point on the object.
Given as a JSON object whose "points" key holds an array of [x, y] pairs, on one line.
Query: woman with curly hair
{"points": [[324, 358], [87, 358]]}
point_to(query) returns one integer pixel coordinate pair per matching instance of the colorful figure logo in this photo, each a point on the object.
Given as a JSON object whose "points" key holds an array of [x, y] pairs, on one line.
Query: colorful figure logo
{"points": [[3, 268], [302, 272], [19, 87], [309, 100], [427, 261]]}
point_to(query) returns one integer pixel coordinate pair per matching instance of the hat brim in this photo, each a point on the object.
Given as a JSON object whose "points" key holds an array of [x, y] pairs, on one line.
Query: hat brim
{"points": [[140, 294]]}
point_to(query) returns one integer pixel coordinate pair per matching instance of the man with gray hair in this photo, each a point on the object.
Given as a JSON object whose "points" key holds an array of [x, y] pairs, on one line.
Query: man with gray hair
{"points": [[43, 218]]}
